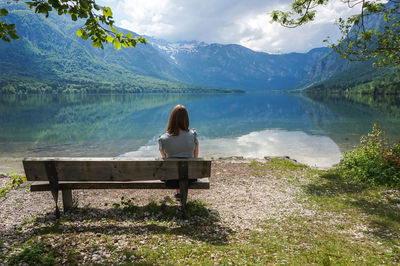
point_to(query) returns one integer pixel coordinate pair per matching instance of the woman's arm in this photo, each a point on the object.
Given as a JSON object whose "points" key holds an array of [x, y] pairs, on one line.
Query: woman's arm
{"points": [[196, 151], [163, 154]]}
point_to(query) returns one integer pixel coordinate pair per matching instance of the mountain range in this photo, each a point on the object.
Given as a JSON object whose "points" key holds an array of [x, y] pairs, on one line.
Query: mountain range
{"points": [[50, 58], [235, 66]]}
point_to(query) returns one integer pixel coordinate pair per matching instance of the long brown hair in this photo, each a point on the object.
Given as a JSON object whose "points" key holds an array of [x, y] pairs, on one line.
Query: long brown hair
{"points": [[179, 119]]}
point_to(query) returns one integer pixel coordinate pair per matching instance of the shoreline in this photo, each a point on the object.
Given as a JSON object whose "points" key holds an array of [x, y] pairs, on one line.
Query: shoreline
{"points": [[11, 164], [14, 164]]}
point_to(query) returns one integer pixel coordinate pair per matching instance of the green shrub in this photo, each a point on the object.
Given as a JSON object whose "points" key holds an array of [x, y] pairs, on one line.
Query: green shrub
{"points": [[374, 162], [15, 182]]}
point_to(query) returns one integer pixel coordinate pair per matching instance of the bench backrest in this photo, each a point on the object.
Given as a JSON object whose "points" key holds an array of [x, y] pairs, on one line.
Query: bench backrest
{"points": [[114, 169]]}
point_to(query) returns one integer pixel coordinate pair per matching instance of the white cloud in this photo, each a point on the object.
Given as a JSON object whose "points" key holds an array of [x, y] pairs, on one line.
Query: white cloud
{"points": [[227, 21]]}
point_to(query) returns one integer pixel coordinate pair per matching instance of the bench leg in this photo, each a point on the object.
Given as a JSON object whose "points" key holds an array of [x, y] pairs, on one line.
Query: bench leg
{"points": [[183, 187], [67, 199], [54, 193]]}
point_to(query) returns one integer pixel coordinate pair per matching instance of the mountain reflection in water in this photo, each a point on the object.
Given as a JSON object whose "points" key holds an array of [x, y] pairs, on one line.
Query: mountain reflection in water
{"points": [[250, 125]]}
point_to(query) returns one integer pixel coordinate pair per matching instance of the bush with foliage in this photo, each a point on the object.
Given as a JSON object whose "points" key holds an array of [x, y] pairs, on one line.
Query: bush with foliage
{"points": [[374, 162], [14, 182]]}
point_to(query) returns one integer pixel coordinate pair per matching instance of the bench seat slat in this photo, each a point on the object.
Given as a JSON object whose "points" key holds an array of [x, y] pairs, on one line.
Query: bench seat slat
{"points": [[202, 183], [114, 169]]}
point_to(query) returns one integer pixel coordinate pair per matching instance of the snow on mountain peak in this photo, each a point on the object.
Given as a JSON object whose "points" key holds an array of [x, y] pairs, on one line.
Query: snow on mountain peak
{"points": [[174, 48]]}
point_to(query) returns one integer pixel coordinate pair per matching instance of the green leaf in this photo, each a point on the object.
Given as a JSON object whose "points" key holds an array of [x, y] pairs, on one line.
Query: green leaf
{"points": [[48, 8], [84, 35], [96, 43], [129, 35], [109, 38], [79, 33], [107, 12], [84, 4], [117, 44], [132, 43], [3, 12], [13, 35]]}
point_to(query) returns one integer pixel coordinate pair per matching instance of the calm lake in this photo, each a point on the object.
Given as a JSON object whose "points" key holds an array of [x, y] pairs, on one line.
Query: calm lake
{"points": [[249, 124]]}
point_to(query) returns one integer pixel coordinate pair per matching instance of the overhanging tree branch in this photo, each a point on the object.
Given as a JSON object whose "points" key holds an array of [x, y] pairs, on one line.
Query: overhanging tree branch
{"points": [[99, 25], [358, 42]]}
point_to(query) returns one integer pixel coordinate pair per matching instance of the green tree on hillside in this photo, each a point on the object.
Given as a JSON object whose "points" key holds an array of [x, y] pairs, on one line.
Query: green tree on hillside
{"points": [[98, 26], [359, 41]]}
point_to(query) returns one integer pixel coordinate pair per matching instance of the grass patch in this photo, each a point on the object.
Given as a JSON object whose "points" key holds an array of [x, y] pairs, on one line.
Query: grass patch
{"points": [[290, 241], [337, 194], [197, 212], [34, 253], [280, 168], [276, 164], [314, 241], [2, 256], [373, 211], [285, 164], [15, 182]]}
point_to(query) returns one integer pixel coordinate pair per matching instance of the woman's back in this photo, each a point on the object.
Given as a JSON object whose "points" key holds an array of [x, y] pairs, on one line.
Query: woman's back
{"points": [[180, 146]]}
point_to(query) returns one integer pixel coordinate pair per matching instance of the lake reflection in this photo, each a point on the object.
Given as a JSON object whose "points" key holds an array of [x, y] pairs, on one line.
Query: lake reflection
{"points": [[313, 150], [250, 125]]}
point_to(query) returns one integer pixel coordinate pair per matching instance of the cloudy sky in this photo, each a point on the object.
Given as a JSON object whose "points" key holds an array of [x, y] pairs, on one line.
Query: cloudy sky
{"points": [[244, 22]]}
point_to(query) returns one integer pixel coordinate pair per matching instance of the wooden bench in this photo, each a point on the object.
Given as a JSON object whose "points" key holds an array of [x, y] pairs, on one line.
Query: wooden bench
{"points": [[66, 174]]}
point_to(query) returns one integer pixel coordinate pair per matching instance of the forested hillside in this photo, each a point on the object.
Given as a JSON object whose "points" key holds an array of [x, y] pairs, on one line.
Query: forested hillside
{"points": [[334, 75], [360, 78], [49, 58]]}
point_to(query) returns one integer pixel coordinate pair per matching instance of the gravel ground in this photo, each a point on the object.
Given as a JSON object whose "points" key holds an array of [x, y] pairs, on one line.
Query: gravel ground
{"points": [[241, 199]]}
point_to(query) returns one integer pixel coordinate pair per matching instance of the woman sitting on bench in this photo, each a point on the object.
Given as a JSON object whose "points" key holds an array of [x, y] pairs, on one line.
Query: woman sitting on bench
{"points": [[179, 141]]}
